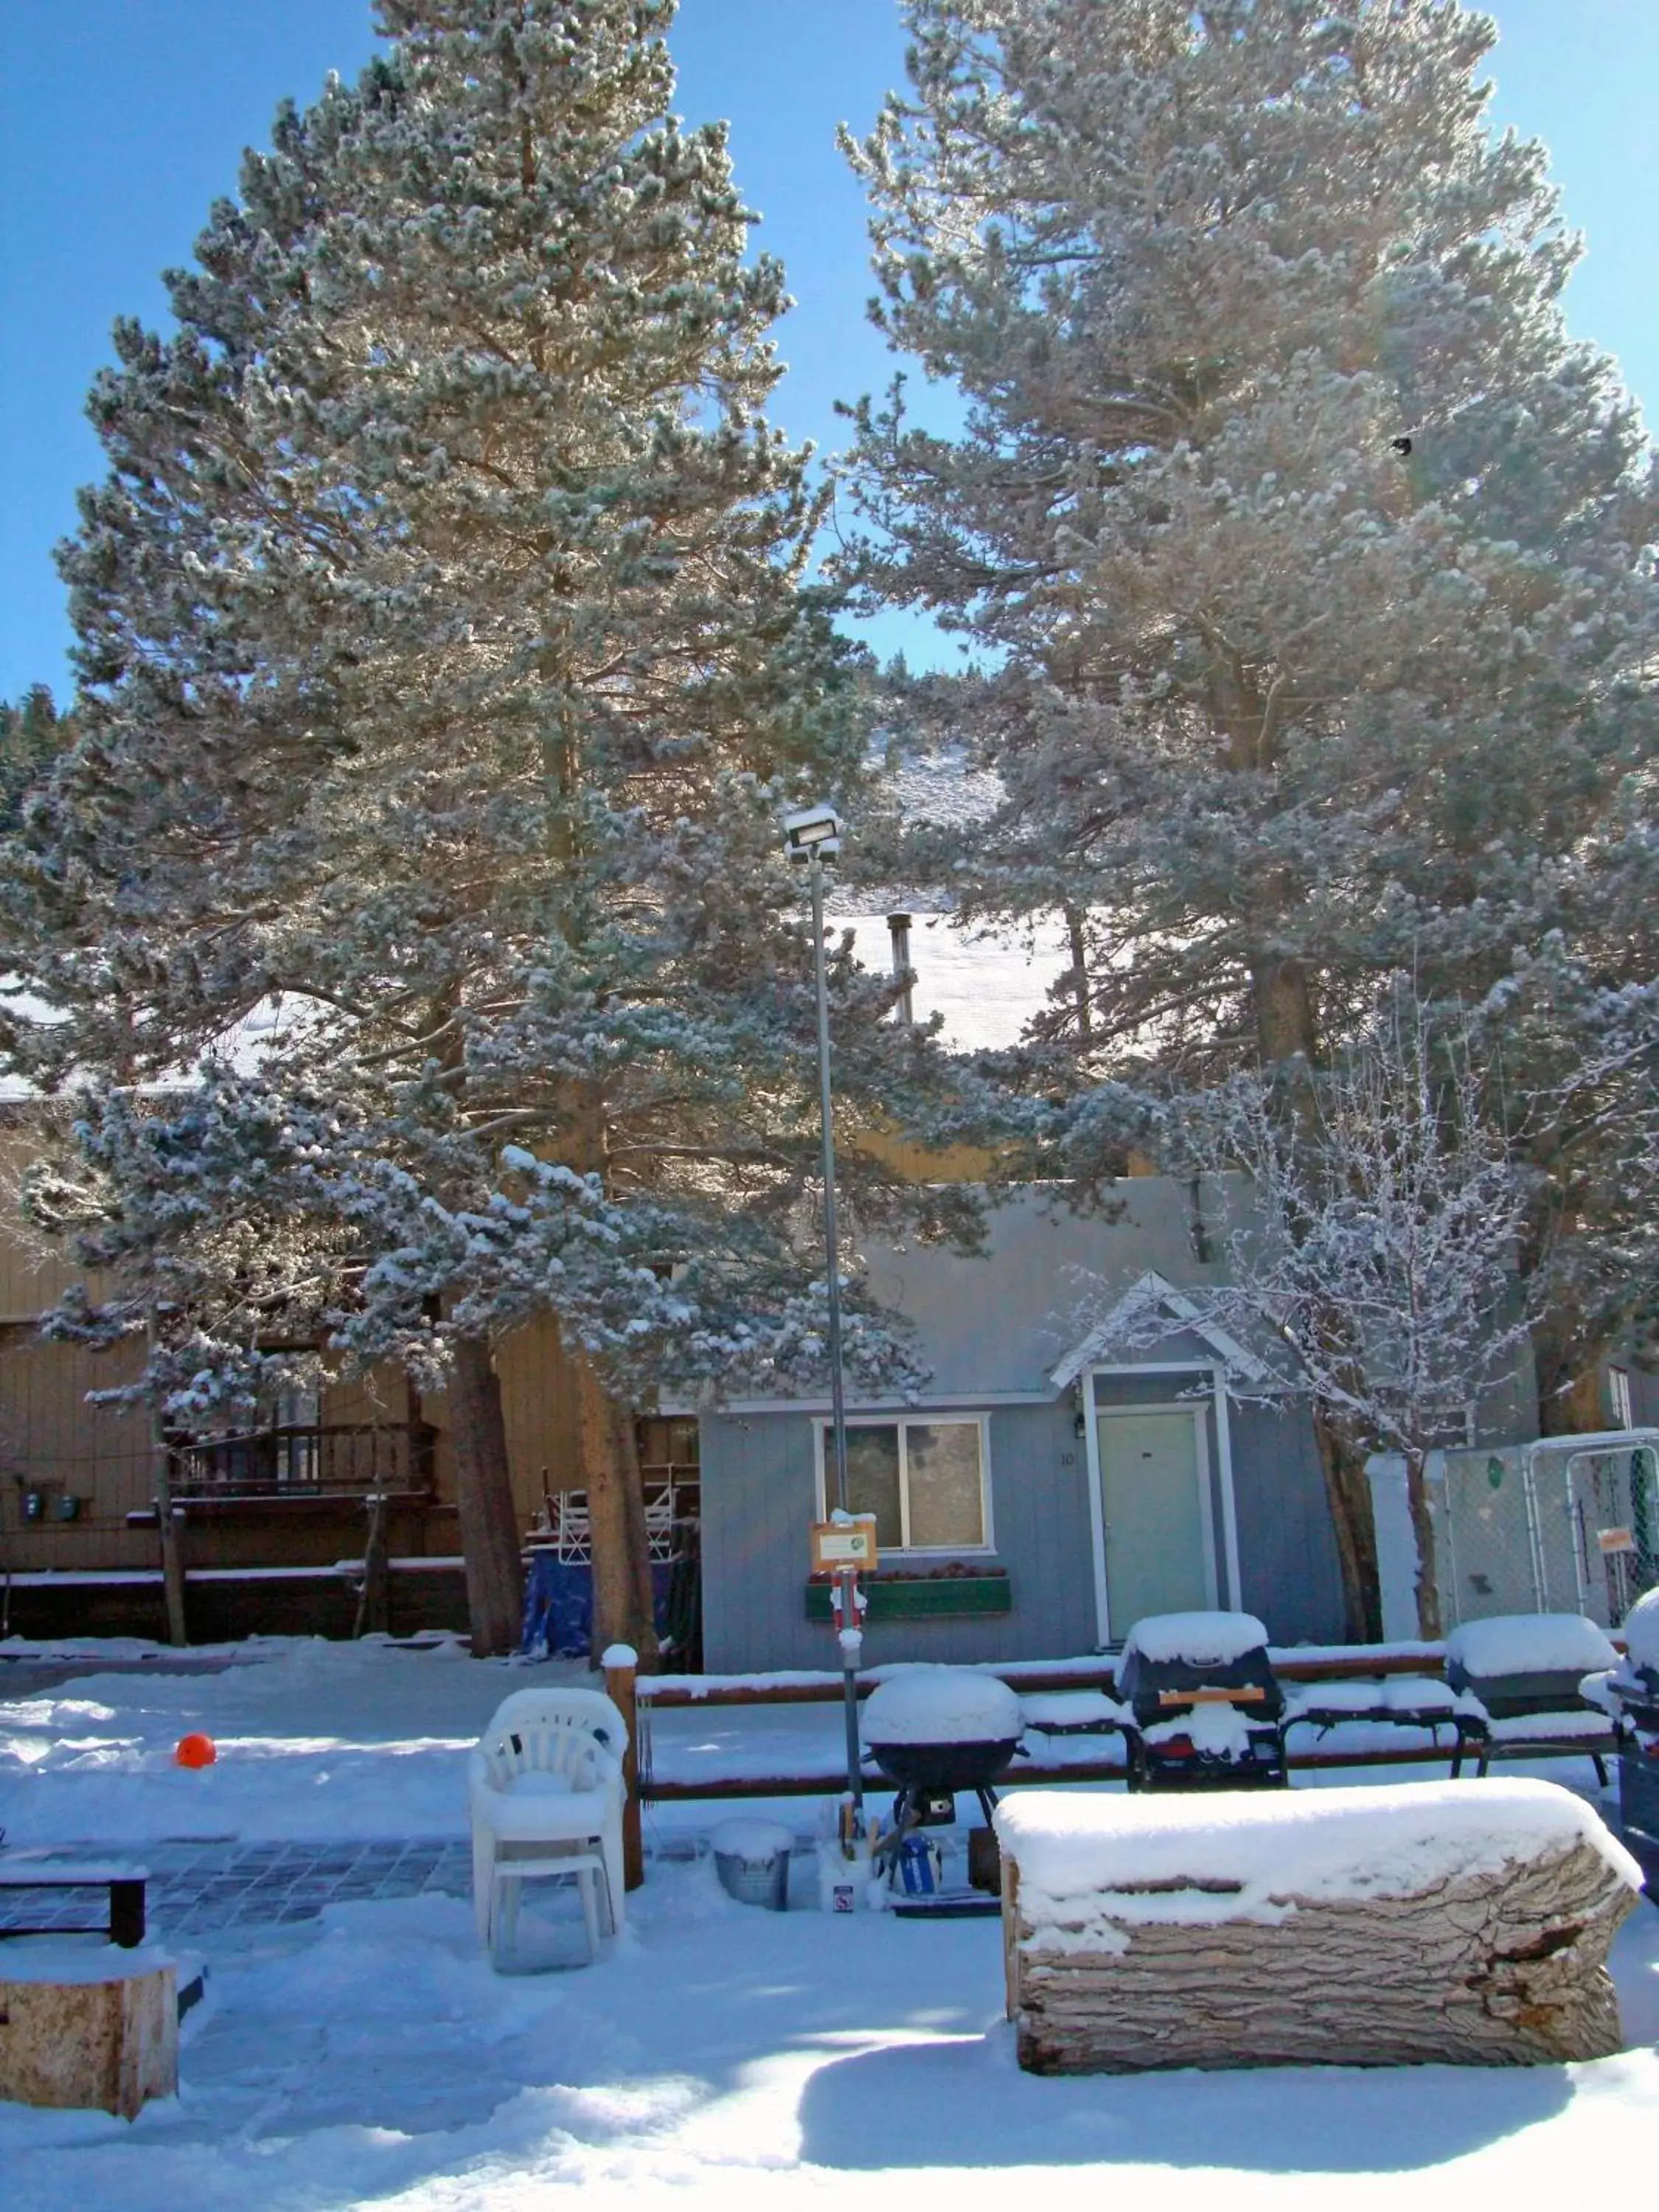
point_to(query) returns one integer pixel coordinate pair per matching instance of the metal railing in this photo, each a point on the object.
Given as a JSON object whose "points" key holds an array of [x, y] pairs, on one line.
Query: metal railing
{"points": [[565, 1530]]}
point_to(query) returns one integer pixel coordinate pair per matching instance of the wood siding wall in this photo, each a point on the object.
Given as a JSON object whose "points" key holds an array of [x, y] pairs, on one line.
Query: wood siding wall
{"points": [[54, 1445]]}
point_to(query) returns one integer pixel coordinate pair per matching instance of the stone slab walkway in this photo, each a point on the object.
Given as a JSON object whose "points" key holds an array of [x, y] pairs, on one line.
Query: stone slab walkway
{"points": [[202, 1886]]}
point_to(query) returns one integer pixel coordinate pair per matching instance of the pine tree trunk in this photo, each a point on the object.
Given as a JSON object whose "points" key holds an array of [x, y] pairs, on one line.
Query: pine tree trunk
{"points": [[622, 1607], [1348, 1492], [483, 1497], [1428, 1576], [1282, 999]]}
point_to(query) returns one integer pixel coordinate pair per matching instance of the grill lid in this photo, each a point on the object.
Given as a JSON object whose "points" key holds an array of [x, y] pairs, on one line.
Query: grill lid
{"points": [[1174, 1662], [940, 1706]]}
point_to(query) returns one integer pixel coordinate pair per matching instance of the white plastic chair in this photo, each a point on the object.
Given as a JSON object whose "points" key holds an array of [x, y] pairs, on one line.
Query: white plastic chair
{"points": [[546, 1792]]}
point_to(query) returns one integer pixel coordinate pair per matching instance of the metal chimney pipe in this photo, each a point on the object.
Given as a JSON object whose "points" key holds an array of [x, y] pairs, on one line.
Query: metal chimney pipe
{"points": [[899, 927]]}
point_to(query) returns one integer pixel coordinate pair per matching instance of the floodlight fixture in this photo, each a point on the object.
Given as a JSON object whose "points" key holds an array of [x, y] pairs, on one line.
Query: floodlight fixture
{"points": [[813, 833]]}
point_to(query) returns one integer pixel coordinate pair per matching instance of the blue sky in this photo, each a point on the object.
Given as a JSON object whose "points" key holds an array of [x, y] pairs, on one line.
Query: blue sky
{"points": [[120, 120]]}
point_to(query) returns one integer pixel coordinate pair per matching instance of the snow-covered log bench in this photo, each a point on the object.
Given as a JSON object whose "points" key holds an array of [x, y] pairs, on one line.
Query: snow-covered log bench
{"points": [[1465, 1922]]}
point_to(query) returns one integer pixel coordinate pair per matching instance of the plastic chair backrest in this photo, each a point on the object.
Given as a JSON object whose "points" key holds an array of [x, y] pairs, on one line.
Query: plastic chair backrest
{"points": [[577, 1733]]}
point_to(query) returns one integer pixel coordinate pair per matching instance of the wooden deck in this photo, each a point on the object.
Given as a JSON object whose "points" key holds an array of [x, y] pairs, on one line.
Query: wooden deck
{"points": [[327, 1461]]}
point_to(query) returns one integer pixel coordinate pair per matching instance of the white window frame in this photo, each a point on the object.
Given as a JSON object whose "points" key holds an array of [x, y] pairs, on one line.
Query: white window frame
{"points": [[824, 1452]]}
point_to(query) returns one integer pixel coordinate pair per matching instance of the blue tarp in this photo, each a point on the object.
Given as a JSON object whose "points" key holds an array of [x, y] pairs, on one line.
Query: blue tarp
{"points": [[558, 1604]]}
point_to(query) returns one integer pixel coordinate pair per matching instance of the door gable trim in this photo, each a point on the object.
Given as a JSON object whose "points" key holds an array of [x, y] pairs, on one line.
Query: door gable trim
{"points": [[1156, 1292]]}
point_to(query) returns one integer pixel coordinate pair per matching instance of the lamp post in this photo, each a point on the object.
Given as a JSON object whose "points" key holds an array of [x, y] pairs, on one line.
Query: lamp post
{"points": [[812, 837]]}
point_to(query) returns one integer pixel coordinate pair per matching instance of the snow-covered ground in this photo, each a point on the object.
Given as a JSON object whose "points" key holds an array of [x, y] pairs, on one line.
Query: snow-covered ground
{"points": [[717, 2054]]}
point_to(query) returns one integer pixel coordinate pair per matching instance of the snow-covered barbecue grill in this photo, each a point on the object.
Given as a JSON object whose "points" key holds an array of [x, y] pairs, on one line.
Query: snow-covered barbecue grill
{"points": [[1207, 1703], [1629, 1692], [1520, 1675], [934, 1731]]}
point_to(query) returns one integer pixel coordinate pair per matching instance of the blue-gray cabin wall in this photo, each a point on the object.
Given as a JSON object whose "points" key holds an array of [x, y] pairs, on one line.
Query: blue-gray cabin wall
{"points": [[759, 1499], [758, 1504], [1287, 1558]]}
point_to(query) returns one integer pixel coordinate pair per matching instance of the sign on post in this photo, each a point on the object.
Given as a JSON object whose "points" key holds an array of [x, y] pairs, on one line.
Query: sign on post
{"points": [[838, 1545]]}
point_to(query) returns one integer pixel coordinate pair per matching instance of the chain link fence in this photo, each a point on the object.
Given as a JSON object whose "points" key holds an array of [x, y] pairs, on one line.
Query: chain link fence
{"points": [[1560, 1526]]}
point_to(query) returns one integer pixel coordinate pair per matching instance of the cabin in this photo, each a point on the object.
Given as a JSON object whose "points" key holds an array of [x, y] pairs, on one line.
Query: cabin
{"points": [[1048, 1488]]}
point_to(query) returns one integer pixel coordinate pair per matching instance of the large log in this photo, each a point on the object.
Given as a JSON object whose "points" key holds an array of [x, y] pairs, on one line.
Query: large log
{"points": [[87, 2027], [1231, 1934]]}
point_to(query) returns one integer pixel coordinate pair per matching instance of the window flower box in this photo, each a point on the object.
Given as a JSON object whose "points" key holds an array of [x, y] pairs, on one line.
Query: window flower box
{"points": [[955, 1592]]}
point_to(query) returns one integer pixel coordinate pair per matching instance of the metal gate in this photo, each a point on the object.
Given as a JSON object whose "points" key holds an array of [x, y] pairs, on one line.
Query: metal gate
{"points": [[1612, 1503], [1566, 1524]]}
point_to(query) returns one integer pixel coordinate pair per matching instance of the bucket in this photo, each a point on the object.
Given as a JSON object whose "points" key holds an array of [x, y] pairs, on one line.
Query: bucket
{"points": [[847, 1873], [751, 1858]]}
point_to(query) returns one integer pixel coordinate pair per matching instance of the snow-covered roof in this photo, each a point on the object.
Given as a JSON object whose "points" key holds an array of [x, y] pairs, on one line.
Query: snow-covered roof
{"points": [[241, 1047]]}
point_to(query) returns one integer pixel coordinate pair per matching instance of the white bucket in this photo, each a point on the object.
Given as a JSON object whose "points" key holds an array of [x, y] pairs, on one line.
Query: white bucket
{"points": [[845, 1875]]}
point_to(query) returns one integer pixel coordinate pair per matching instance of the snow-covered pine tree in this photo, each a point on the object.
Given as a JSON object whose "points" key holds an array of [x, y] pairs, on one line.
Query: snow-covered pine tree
{"points": [[1307, 551], [1571, 1044], [1313, 545], [31, 735], [446, 665]]}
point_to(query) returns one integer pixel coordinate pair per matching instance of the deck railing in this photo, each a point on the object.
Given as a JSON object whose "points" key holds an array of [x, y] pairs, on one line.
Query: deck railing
{"points": [[328, 1459]]}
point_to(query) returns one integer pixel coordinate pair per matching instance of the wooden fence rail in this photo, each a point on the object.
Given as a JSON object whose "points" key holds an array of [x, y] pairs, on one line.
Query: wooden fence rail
{"points": [[1348, 1664]]}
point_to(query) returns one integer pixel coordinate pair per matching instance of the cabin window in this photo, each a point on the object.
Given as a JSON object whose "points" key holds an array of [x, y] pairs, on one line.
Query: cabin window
{"points": [[924, 1481]]}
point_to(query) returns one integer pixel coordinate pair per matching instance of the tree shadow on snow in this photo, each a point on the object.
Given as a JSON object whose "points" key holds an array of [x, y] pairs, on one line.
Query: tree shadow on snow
{"points": [[964, 2103]]}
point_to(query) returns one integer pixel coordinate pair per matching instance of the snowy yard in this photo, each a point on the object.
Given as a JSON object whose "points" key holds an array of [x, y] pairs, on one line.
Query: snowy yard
{"points": [[719, 2054]]}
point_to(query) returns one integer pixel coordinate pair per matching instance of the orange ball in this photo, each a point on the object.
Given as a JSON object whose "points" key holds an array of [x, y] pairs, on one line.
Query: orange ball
{"points": [[196, 1751]]}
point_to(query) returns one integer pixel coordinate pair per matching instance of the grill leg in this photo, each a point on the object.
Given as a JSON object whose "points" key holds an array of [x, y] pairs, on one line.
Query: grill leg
{"points": [[904, 1818], [126, 1914]]}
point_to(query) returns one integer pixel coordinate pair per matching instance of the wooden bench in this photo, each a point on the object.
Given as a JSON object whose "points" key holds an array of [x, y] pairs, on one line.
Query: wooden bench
{"points": [[123, 1879], [1581, 1734], [1417, 1704]]}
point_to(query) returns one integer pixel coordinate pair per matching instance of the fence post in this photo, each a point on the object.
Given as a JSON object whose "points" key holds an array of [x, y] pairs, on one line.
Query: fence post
{"points": [[621, 1664]]}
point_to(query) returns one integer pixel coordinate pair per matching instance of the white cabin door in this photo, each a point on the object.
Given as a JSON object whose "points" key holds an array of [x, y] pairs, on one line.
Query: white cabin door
{"points": [[1153, 1521]]}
